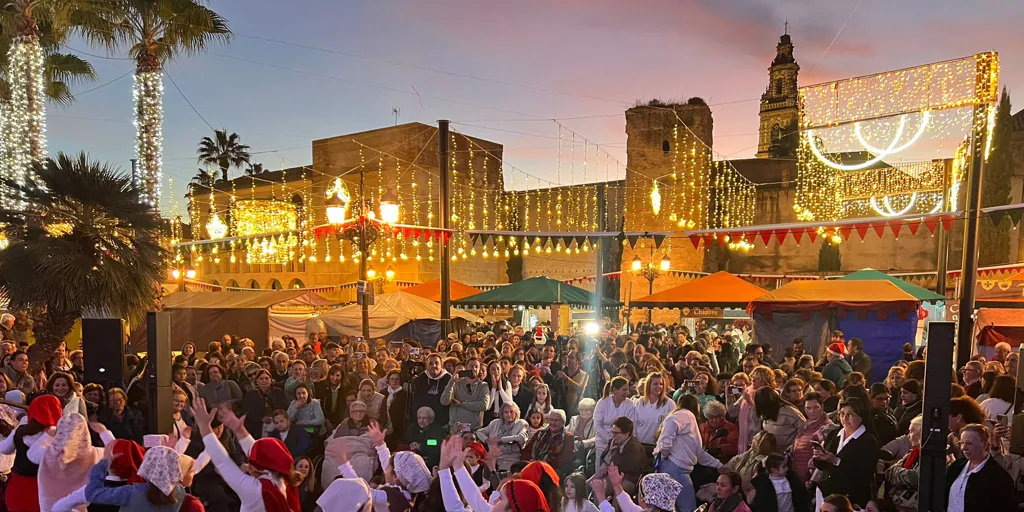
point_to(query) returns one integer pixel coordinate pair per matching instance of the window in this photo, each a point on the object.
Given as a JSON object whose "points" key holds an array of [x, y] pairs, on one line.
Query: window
{"points": [[274, 284], [665, 147], [778, 87], [296, 284]]}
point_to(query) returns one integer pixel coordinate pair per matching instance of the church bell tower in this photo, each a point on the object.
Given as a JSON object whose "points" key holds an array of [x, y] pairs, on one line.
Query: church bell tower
{"points": [[780, 108]]}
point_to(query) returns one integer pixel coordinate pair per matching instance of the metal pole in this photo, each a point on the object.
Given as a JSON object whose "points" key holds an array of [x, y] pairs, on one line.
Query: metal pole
{"points": [[943, 242], [972, 209], [598, 300], [364, 251], [651, 276], [444, 206]]}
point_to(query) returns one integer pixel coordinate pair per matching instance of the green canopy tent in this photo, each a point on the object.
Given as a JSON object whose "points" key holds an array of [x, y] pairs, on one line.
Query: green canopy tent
{"points": [[919, 293], [534, 292]]}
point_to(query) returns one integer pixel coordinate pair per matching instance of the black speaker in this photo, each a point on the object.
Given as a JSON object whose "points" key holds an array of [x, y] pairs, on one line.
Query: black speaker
{"points": [[158, 372], [935, 427], [103, 349]]}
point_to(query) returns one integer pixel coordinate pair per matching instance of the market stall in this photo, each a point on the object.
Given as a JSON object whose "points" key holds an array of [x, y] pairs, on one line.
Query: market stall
{"points": [[995, 325], [716, 292], [882, 315], [393, 316], [431, 290], [537, 293], [202, 317]]}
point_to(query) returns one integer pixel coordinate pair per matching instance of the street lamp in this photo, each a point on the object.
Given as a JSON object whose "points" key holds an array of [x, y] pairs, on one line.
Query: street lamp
{"points": [[380, 280], [337, 202], [180, 275], [650, 272], [389, 207]]}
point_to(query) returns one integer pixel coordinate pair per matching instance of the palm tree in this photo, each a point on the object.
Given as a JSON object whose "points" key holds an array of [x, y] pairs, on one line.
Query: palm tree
{"points": [[223, 150], [255, 169], [155, 32], [203, 178], [84, 243]]}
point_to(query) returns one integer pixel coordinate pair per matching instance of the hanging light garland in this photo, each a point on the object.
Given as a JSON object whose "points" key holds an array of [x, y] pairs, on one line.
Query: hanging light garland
{"points": [[24, 121], [148, 92], [261, 216]]}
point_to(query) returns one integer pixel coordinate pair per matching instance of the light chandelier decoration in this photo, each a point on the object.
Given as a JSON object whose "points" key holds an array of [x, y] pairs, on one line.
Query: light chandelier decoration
{"points": [[655, 198], [148, 91], [24, 123], [215, 227], [337, 202], [261, 216]]}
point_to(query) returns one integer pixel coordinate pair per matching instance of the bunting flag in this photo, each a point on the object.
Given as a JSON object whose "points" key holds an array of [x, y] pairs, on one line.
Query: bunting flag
{"points": [[895, 226], [879, 228], [913, 227]]}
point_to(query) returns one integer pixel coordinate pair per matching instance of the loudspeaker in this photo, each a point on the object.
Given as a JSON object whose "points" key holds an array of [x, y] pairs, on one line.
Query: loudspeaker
{"points": [[937, 383], [103, 349], [158, 372]]}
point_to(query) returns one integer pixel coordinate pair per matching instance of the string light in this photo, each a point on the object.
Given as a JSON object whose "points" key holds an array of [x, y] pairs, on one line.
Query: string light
{"points": [[24, 121], [259, 216], [148, 92]]}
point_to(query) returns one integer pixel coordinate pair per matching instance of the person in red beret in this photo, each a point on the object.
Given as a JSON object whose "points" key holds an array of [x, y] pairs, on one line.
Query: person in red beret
{"points": [[22, 490], [269, 482]]}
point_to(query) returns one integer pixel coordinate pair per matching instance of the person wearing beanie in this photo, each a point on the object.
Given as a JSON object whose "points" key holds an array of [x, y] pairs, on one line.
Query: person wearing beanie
{"points": [[160, 486], [269, 483], [910, 405], [22, 490], [406, 476], [837, 368]]}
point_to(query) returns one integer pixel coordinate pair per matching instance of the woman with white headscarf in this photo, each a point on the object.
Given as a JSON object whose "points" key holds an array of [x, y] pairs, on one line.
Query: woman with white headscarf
{"points": [[65, 458], [161, 487]]}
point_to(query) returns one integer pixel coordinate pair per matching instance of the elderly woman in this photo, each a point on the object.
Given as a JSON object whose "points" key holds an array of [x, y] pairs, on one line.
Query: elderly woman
{"points": [[511, 433], [719, 436], [357, 422], [849, 457], [425, 438], [582, 429], [901, 479], [976, 482], [554, 445]]}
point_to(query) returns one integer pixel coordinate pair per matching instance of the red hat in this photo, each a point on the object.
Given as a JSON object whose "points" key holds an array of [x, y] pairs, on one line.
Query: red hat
{"points": [[837, 349], [128, 456], [478, 449], [270, 453], [534, 470], [525, 496], [45, 409]]}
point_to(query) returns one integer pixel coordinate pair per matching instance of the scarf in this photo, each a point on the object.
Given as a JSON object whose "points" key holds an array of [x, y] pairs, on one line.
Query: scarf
{"points": [[548, 445], [727, 505], [912, 458], [274, 501], [581, 427], [391, 395]]}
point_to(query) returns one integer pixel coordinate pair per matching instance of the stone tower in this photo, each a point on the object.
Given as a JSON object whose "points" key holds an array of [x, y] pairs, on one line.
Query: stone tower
{"points": [[780, 108]]}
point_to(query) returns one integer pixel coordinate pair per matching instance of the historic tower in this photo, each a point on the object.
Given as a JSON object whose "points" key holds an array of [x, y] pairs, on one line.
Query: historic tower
{"points": [[780, 108]]}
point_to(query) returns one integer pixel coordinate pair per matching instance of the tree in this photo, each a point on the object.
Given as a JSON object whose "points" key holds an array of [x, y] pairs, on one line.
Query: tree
{"points": [[994, 243], [225, 151], [155, 32], [203, 179], [255, 170], [84, 243], [829, 258]]}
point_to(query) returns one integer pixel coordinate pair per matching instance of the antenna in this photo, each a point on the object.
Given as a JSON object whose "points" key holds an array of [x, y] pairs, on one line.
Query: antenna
{"points": [[396, 111]]}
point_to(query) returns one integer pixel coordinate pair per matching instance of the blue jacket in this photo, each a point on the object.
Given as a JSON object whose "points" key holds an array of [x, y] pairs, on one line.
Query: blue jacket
{"points": [[124, 496], [297, 442]]}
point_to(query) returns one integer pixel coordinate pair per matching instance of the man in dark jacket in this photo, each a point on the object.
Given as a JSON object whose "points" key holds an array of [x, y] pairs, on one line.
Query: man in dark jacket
{"points": [[858, 359], [426, 391], [122, 420], [837, 368], [626, 452], [910, 405]]}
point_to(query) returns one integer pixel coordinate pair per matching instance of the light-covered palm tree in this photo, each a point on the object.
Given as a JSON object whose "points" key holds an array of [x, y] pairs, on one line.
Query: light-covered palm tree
{"points": [[155, 32], [223, 150]]}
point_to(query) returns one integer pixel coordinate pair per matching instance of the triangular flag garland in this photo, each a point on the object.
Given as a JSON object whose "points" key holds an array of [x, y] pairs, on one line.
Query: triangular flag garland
{"points": [[913, 227]]}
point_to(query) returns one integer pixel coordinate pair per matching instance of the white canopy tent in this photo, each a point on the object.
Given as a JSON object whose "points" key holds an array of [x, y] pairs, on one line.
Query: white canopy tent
{"points": [[392, 316]]}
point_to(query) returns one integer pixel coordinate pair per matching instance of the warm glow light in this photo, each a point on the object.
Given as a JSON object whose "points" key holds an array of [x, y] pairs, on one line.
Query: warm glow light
{"points": [[337, 202], [371, 273], [637, 264], [190, 273], [148, 91], [176, 274], [216, 227], [389, 274], [666, 263], [655, 198], [591, 328], [260, 216], [389, 207]]}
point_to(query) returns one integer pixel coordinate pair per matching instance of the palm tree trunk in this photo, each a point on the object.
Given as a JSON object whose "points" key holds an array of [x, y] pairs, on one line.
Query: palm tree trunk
{"points": [[149, 92], [25, 117]]}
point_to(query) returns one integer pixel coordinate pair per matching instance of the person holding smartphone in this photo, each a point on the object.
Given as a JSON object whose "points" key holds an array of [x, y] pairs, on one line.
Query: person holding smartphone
{"points": [[467, 396]]}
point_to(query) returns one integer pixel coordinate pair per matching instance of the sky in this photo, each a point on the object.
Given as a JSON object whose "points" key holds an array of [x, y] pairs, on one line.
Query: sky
{"points": [[302, 70]]}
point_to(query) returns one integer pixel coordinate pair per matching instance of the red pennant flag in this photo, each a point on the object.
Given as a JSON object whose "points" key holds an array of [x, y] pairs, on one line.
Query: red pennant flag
{"points": [[766, 236], [708, 240], [695, 240], [895, 226], [879, 228], [931, 223], [913, 227], [780, 235], [721, 240], [947, 222], [797, 235], [812, 234], [845, 231], [862, 230]]}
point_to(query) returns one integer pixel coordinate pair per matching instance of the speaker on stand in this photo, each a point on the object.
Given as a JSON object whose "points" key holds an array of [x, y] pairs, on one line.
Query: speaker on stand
{"points": [[935, 413], [103, 351], [158, 372]]}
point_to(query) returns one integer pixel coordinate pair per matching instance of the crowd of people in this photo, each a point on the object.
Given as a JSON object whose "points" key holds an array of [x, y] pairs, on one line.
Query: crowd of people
{"points": [[658, 418]]}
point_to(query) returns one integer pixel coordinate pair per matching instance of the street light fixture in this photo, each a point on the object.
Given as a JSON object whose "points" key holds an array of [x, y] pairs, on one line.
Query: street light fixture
{"points": [[389, 207], [637, 263], [650, 271], [665, 263], [337, 202]]}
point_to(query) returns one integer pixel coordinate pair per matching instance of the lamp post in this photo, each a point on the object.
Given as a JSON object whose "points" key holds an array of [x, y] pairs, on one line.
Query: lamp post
{"points": [[362, 231], [380, 280], [650, 272], [180, 274]]}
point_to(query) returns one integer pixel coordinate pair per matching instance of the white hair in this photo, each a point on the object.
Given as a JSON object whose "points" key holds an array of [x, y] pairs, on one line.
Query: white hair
{"points": [[587, 403], [514, 406], [428, 410], [7, 317], [557, 412], [917, 423], [714, 408]]}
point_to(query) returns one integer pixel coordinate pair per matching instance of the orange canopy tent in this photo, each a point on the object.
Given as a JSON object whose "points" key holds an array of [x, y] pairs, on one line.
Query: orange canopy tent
{"points": [[721, 290], [838, 294], [994, 325], [431, 290]]}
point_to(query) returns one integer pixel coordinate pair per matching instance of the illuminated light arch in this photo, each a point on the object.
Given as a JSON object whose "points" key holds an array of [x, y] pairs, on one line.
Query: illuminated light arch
{"points": [[925, 118], [863, 165]]}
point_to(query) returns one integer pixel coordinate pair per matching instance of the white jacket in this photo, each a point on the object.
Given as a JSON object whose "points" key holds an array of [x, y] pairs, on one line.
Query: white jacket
{"points": [[606, 413]]}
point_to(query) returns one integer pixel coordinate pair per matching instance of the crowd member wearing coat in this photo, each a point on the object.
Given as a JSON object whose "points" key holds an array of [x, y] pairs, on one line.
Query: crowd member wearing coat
{"points": [[260, 403], [217, 389], [777, 488], [975, 483], [626, 453], [511, 433], [392, 409], [837, 368], [554, 445], [779, 417], [468, 397], [910, 405], [613, 406], [850, 456], [426, 390], [722, 447], [902, 479]]}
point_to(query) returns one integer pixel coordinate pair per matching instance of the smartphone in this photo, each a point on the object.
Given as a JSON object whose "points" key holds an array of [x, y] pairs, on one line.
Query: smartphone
{"points": [[818, 446], [735, 390], [359, 355], [1001, 419], [414, 351], [691, 385], [467, 374]]}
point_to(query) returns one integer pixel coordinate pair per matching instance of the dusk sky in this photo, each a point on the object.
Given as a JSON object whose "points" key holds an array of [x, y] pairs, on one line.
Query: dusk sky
{"points": [[495, 68]]}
